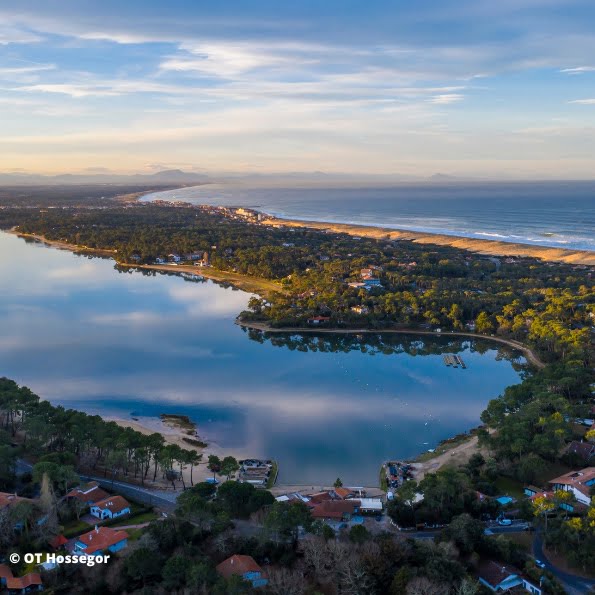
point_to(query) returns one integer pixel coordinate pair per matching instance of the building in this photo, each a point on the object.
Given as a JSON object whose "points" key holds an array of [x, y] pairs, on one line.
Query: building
{"points": [[244, 566], [370, 505], [88, 493], [360, 309], [336, 510], [317, 320], [499, 578], [111, 507], [577, 482], [101, 540], [24, 584], [344, 493], [8, 499], [585, 451]]}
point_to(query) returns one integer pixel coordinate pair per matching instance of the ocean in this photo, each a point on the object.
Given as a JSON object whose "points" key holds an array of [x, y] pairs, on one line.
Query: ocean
{"points": [[555, 214]]}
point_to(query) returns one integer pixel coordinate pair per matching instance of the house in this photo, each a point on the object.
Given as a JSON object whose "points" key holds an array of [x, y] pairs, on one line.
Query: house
{"points": [[343, 493], [244, 566], [584, 451], [8, 499], [360, 309], [499, 578], [101, 540], [24, 584], [531, 491], [88, 493], [316, 320], [174, 257], [341, 510], [577, 482], [160, 260], [111, 507], [58, 542]]}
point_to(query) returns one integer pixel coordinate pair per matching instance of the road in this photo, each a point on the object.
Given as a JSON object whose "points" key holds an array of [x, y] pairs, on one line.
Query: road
{"points": [[162, 499], [574, 585]]}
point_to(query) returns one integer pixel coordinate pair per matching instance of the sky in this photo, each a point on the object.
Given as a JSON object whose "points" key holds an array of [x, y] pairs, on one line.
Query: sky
{"points": [[462, 87]]}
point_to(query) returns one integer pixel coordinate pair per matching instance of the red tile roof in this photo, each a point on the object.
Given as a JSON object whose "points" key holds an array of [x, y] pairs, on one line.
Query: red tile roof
{"points": [[238, 565], [101, 538], [58, 542], [6, 499], [88, 493], [18, 583], [113, 503], [343, 492], [334, 509], [494, 573]]}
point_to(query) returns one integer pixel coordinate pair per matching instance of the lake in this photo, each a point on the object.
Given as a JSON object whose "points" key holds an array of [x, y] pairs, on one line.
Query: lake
{"points": [[82, 334]]}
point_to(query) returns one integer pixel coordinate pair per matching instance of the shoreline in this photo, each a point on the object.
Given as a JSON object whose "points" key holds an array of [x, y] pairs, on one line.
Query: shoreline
{"points": [[246, 283], [265, 327], [476, 245]]}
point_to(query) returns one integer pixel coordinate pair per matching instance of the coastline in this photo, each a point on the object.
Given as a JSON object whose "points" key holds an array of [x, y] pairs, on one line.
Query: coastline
{"points": [[258, 285], [479, 246], [265, 327]]}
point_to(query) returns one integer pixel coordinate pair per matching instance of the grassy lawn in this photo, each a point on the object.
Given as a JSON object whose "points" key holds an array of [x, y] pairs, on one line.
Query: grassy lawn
{"points": [[273, 475], [524, 539], [383, 479], [143, 517], [74, 528], [509, 487]]}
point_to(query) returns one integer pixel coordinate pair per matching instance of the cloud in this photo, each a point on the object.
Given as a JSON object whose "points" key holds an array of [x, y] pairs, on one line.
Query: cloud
{"points": [[584, 101], [13, 34], [578, 70], [446, 98]]}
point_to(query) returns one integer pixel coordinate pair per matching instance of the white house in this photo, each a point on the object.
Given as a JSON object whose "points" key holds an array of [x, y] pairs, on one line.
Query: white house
{"points": [[499, 578], [577, 482], [112, 507]]}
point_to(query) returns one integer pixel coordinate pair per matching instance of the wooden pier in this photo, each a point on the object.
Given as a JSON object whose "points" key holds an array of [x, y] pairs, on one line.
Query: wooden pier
{"points": [[454, 360]]}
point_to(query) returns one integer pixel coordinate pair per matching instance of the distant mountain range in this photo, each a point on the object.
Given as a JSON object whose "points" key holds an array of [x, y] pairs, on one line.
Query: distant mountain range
{"points": [[177, 176], [169, 176]]}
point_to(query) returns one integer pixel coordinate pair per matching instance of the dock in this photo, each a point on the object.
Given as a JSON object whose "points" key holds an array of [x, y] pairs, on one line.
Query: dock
{"points": [[454, 360]]}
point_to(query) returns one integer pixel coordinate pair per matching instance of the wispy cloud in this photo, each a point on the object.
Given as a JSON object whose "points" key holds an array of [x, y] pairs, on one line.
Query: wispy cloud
{"points": [[590, 101], [578, 70], [446, 98]]}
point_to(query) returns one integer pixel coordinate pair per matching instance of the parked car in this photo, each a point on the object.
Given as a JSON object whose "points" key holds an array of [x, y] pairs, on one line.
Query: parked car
{"points": [[539, 563]]}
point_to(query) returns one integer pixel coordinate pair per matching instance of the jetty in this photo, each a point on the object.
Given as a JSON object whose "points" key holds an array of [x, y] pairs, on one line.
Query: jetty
{"points": [[454, 360]]}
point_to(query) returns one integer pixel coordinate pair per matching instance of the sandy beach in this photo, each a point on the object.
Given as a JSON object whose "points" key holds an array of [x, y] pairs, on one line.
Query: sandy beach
{"points": [[176, 435], [485, 247]]}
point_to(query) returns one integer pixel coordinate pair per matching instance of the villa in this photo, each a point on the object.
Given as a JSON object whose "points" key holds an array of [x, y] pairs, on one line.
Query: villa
{"points": [[88, 493], [100, 541], [577, 482], [111, 507], [244, 566], [24, 584], [499, 578]]}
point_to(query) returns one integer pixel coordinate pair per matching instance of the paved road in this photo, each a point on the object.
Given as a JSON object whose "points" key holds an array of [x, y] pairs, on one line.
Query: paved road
{"points": [[574, 585], [160, 498]]}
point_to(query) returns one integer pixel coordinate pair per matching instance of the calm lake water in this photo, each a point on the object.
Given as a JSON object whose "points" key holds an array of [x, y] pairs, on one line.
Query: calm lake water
{"points": [[84, 335]]}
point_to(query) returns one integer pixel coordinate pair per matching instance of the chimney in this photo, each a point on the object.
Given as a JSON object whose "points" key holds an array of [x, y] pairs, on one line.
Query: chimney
{"points": [[96, 529]]}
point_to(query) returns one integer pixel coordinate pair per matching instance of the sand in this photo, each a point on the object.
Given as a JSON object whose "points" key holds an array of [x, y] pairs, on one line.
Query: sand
{"points": [[485, 247]]}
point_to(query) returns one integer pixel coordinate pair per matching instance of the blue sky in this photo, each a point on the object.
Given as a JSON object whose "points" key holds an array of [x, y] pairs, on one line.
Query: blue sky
{"points": [[467, 87]]}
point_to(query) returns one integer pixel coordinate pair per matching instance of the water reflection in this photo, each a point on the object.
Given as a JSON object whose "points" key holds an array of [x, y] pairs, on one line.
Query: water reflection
{"points": [[82, 333]]}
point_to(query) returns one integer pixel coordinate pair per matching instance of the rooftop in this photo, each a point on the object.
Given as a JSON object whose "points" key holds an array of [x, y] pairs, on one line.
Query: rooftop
{"points": [[238, 565], [113, 503], [100, 539]]}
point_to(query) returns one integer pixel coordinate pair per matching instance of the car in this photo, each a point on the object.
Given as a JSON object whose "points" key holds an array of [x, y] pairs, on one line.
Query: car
{"points": [[539, 563], [505, 522]]}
